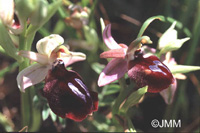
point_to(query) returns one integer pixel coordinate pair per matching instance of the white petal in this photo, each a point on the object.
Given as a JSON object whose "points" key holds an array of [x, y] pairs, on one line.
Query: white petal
{"points": [[169, 36], [72, 57], [169, 93], [7, 11], [40, 58], [31, 75], [49, 43]]}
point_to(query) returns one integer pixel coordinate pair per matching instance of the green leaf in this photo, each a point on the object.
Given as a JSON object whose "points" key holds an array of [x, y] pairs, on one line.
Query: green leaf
{"points": [[97, 67], [106, 101], [39, 13], [7, 44], [85, 3], [62, 121], [133, 99], [2, 50], [164, 19], [52, 8], [45, 113], [53, 116], [183, 68], [111, 89], [131, 128], [147, 23]]}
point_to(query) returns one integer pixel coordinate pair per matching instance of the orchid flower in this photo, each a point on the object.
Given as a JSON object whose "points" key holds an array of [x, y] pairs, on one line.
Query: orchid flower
{"points": [[117, 67], [168, 94], [78, 17], [141, 69], [49, 49], [169, 40], [67, 94], [7, 8], [169, 61]]}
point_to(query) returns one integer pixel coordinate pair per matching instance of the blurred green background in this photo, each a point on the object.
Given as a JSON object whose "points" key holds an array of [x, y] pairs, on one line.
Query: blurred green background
{"points": [[126, 17]]}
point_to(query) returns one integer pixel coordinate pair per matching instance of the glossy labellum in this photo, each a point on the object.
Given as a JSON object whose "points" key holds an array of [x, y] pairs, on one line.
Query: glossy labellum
{"points": [[67, 95], [149, 71]]}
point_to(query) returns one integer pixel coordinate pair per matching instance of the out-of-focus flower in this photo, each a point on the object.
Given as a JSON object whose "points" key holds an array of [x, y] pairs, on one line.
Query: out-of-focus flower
{"points": [[169, 40], [7, 11], [49, 49], [67, 95], [78, 17], [142, 70], [7, 8], [168, 94]]}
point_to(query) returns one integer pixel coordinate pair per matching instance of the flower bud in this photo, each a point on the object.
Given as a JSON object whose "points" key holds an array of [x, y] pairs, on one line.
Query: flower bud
{"points": [[79, 16], [24, 8]]}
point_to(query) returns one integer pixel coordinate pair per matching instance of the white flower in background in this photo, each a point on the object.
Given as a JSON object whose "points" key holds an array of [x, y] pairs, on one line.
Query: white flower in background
{"points": [[7, 11], [49, 50], [169, 40]]}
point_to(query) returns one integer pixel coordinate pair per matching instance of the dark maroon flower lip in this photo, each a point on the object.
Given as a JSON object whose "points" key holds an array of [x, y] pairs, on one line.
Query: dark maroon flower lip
{"points": [[150, 71], [67, 95]]}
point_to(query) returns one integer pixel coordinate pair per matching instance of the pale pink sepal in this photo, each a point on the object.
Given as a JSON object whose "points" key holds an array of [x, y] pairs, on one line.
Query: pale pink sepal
{"points": [[31, 75], [114, 70], [73, 57], [114, 53], [108, 39], [37, 57], [168, 94]]}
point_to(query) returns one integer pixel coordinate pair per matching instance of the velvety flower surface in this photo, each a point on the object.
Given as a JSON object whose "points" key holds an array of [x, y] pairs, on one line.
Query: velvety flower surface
{"points": [[142, 70], [150, 71], [67, 95], [49, 49]]}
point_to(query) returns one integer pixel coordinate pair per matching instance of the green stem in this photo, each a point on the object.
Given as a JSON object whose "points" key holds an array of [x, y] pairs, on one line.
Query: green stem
{"points": [[179, 25], [31, 116], [124, 91], [130, 126], [29, 113], [25, 106]]}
